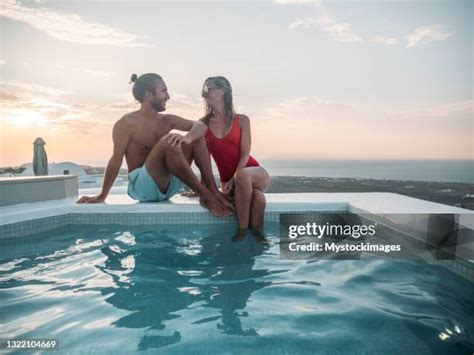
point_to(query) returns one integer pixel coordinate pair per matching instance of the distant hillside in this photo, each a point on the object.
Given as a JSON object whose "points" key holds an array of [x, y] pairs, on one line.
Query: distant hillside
{"points": [[12, 170], [91, 170], [99, 170]]}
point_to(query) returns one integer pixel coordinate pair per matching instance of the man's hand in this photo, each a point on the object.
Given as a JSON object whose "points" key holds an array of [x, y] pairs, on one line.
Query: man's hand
{"points": [[175, 139], [91, 199], [226, 200]]}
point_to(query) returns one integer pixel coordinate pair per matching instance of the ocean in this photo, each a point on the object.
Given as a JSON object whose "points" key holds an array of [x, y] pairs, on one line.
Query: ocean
{"points": [[418, 170]]}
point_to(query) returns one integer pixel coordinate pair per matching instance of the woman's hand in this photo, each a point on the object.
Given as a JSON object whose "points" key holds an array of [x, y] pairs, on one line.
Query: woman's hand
{"points": [[228, 186], [175, 139]]}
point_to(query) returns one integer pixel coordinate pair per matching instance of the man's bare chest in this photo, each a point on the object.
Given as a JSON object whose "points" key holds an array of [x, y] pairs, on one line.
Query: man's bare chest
{"points": [[147, 135]]}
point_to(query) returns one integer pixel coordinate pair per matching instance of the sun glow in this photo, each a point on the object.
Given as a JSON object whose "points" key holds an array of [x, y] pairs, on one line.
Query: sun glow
{"points": [[24, 118]]}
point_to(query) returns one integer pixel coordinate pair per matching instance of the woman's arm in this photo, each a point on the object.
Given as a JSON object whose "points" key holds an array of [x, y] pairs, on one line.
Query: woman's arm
{"points": [[195, 130], [245, 141]]}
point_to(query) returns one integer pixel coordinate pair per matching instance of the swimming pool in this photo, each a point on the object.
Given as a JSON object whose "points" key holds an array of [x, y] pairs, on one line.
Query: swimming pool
{"points": [[182, 288]]}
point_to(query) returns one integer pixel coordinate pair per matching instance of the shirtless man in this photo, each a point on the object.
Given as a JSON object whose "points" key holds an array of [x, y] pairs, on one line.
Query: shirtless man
{"points": [[158, 161]]}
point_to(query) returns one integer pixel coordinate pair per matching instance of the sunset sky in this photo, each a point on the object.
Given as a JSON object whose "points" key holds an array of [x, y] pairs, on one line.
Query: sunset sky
{"points": [[318, 79]]}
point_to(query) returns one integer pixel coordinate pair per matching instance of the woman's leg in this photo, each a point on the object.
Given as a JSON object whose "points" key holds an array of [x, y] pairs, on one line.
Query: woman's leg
{"points": [[257, 214], [257, 209], [246, 181]]}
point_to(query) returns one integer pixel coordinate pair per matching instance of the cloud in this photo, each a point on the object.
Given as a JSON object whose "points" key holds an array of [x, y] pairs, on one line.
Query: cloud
{"points": [[426, 34], [447, 112], [188, 107], [94, 72], [297, 2], [20, 87], [341, 31], [389, 41], [302, 22], [101, 73], [29, 105], [317, 109], [316, 127], [179, 104], [69, 27], [24, 111]]}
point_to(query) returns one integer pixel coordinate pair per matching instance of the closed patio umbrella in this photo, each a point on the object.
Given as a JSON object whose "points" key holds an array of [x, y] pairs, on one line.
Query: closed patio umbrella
{"points": [[40, 159]]}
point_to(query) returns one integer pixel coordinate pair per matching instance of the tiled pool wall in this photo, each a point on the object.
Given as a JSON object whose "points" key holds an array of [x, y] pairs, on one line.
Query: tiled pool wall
{"points": [[21, 229], [459, 266], [25, 228], [75, 221]]}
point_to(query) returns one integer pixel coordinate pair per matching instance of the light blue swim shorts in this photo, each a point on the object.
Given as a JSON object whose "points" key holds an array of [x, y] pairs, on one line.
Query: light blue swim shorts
{"points": [[143, 188]]}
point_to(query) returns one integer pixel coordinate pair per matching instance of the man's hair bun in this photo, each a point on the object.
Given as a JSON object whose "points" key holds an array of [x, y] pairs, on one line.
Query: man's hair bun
{"points": [[144, 83]]}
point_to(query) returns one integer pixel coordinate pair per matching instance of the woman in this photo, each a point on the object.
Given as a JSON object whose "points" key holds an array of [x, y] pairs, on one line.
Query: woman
{"points": [[228, 138]]}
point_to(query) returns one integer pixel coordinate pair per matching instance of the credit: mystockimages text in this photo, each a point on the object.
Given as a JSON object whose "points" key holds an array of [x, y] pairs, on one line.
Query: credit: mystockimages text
{"points": [[346, 238]]}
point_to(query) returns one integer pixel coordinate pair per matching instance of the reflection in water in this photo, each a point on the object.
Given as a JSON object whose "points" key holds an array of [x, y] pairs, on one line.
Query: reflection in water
{"points": [[161, 274], [105, 290]]}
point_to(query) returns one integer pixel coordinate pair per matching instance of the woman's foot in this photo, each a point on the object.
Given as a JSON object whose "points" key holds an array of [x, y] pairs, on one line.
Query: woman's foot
{"points": [[259, 236], [240, 234]]}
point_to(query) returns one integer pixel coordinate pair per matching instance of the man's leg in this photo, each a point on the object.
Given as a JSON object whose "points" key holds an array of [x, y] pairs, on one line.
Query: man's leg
{"points": [[199, 152], [164, 160], [201, 157]]}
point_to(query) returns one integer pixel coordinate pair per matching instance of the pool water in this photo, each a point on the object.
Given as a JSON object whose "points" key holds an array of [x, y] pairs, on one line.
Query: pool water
{"points": [[183, 289]]}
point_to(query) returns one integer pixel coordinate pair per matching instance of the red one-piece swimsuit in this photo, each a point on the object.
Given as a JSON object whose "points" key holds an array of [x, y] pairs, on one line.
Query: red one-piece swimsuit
{"points": [[226, 151]]}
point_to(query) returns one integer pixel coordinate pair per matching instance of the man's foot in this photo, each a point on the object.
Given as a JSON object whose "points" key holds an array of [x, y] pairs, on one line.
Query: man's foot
{"points": [[260, 236], [240, 234], [189, 194]]}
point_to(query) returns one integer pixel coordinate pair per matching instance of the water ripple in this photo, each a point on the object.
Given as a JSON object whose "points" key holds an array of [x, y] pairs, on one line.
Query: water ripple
{"points": [[179, 288]]}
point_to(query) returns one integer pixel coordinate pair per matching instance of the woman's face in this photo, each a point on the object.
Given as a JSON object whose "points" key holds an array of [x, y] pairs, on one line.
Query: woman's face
{"points": [[212, 93]]}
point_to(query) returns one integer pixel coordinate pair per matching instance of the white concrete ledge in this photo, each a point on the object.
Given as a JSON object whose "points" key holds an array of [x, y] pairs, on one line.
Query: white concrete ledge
{"points": [[360, 203], [18, 190], [9, 180]]}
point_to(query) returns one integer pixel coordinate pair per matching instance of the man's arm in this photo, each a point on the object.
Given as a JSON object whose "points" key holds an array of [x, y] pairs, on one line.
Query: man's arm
{"points": [[195, 130], [121, 136]]}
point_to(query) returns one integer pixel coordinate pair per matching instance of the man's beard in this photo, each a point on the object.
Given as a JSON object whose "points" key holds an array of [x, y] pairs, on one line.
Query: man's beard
{"points": [[158, 105]]}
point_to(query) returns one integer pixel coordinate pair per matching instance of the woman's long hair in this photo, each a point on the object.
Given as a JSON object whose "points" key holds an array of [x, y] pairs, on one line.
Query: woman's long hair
{"points": [[224, 84]]}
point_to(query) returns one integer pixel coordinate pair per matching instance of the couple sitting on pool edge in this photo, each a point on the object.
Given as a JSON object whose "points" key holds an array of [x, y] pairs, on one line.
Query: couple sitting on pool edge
{"points": [[159, 162]]}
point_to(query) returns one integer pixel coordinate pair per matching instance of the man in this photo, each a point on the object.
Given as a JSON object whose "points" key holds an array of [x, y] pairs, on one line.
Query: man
{"points": [[158, 161]]}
